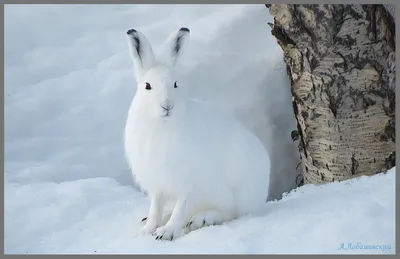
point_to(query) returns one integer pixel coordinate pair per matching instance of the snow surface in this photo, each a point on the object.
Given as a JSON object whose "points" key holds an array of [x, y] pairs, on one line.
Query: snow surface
{"points": [[101, 216], [68, 86]]}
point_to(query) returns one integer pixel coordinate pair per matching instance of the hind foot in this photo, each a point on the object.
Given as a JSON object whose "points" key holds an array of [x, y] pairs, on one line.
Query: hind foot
{"points": [[204, 219]]}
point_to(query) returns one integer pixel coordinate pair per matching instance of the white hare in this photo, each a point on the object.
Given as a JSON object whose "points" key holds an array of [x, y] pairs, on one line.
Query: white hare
{"points": [[187, 154]]}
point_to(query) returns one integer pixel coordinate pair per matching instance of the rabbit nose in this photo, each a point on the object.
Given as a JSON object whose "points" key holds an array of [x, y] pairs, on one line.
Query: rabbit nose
{"points": [[167, 105]]}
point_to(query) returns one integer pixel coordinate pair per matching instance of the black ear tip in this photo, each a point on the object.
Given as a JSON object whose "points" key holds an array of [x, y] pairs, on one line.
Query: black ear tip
{"points": [[131, 31], [185, 29]]}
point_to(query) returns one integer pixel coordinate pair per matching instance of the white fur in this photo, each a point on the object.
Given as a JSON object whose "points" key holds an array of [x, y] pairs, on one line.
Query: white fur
{"points": [[200, 160]]}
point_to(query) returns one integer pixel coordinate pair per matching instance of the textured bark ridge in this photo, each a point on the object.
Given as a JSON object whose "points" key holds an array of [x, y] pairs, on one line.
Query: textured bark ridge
{"points": [[341, 62]]}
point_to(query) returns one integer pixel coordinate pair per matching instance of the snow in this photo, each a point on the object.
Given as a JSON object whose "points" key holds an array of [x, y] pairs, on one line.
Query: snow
{"points": [[101, 216], [68, 86]]}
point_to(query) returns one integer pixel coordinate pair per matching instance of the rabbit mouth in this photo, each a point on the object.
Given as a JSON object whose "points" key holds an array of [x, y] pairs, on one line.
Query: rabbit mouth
{"points": [[167, 109]]}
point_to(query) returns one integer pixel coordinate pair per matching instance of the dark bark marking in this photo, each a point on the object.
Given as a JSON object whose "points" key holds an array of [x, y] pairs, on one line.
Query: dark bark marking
{"points": [[389, 133], [372, 20], [282, 36], [302, 146], [390, 161], [354, 164]]}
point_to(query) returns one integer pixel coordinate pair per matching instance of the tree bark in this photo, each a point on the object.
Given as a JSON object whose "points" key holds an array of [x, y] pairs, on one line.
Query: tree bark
{"points": [[341, 63]]}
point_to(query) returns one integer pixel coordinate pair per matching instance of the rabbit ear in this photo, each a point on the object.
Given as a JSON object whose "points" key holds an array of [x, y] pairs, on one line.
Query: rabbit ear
{"points": [[141, 51], [173, 45]]}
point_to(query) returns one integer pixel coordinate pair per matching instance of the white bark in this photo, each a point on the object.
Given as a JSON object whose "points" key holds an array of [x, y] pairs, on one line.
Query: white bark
{"points": [[341, 61]]}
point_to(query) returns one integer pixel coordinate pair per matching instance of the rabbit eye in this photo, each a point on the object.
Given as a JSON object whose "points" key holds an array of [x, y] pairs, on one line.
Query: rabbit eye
{"points": [[148, 86], [175, 85]]}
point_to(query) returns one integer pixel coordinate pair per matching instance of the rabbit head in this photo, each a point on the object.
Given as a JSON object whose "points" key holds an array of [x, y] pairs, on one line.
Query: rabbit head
{"points": [[156, 85]]}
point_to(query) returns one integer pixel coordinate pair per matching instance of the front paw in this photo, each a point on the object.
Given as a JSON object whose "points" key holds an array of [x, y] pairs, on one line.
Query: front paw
{"points": [[164, 219], [148, 229], [168, 232]]}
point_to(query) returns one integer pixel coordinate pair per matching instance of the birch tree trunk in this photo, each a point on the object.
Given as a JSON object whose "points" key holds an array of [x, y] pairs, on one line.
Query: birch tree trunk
{"points": [[341, 63]]}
